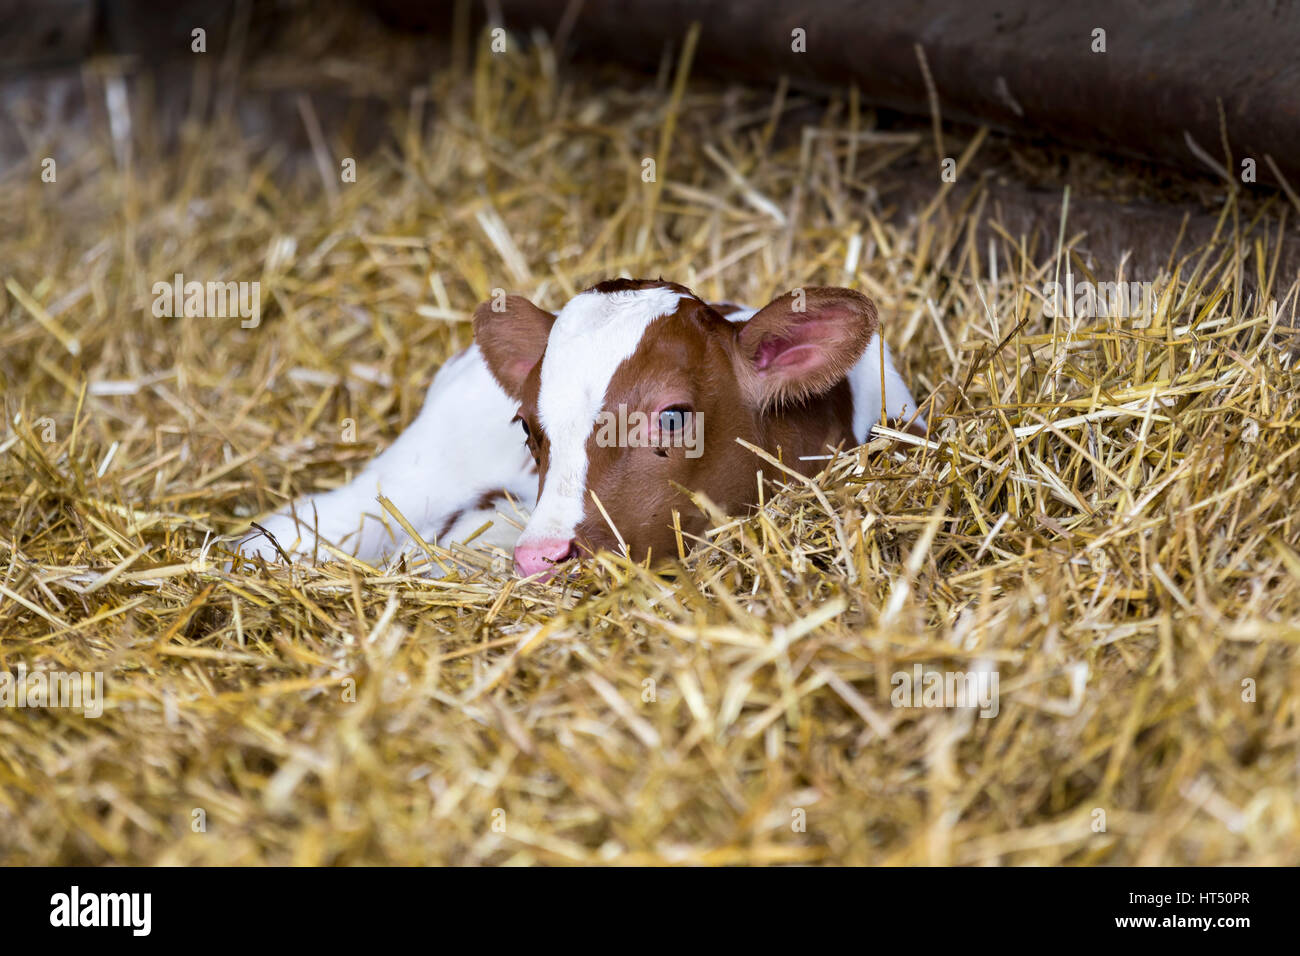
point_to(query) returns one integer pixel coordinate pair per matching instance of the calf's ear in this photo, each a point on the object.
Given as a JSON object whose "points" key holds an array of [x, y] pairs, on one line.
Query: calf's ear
{"points": [[803, 344], [511, 333]]}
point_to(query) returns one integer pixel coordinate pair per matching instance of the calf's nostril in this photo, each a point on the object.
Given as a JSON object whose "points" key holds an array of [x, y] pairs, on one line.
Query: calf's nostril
{"points": [[541, 556]]}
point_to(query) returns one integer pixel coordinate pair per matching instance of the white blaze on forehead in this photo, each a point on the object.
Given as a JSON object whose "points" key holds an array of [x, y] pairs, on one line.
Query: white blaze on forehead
{"points": [[592, 336]]}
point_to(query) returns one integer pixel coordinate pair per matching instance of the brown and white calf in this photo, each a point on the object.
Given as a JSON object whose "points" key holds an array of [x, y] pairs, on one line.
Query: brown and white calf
{"points": [[529, 412]]}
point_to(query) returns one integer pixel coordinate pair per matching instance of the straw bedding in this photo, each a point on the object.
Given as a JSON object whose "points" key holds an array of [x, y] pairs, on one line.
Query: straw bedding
{"points": [[1103, 514]]}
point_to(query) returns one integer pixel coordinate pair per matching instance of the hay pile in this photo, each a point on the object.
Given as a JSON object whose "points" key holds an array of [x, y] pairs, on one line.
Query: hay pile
{"points": [[1104, 516]]}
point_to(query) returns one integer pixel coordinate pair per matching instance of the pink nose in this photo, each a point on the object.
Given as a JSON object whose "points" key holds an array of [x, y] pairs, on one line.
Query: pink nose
{"points": [[542, 555]]}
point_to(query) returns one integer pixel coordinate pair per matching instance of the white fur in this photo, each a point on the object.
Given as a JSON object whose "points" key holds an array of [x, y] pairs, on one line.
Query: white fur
{"points": [[592, 336], [872, 388], [464, 444]]}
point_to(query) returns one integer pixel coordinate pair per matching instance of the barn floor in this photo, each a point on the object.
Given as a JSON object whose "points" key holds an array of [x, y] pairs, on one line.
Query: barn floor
{"points": [[1105, 516]]}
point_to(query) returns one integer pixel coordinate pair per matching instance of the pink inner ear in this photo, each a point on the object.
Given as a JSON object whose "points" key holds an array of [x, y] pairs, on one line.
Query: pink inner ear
{"points": [[787, 356], [801, 352]]}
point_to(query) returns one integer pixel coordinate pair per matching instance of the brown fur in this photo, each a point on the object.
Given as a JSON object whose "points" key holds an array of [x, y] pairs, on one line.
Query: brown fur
{"points": [[695, 357], [512, 340]]}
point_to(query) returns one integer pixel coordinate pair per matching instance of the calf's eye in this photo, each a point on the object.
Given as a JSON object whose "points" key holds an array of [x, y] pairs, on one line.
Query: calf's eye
{"points": [[528, 436], [673, 419]]}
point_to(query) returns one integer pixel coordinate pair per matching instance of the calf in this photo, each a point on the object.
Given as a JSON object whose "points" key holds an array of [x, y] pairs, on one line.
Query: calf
{"points": [[599, 417]]}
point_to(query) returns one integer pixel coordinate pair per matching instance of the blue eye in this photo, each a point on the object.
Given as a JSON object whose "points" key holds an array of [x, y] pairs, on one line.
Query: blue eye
{"points": [[673, 419]]}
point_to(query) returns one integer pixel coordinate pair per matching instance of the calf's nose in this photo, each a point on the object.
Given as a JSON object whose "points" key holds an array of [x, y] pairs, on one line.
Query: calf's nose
{"points": [[542, 555]]}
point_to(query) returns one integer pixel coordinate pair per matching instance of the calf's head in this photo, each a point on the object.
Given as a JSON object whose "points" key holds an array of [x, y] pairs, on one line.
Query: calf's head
{"points": [[637, 390]]}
